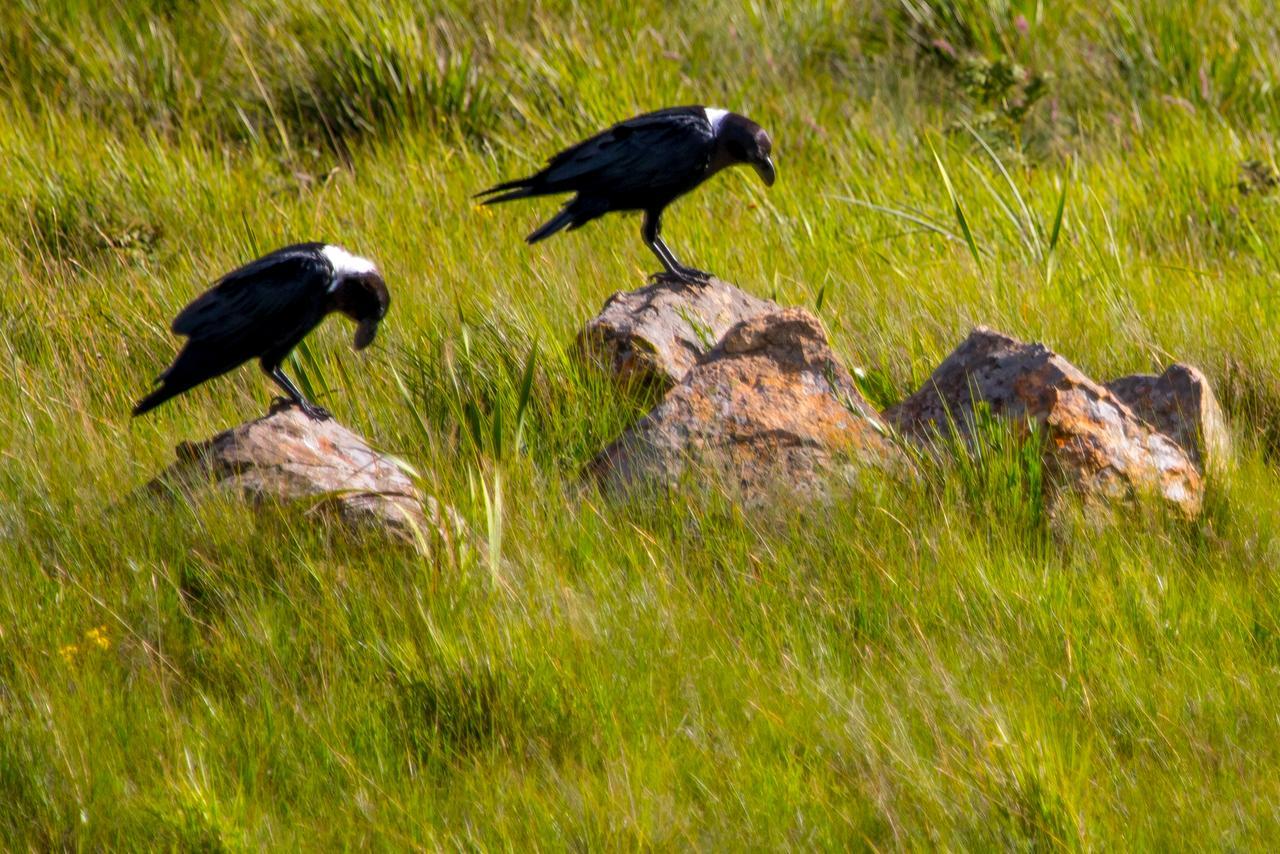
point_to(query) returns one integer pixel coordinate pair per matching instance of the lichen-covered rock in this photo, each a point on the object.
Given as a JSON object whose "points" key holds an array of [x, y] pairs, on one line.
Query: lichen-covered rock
{"points": [[1095, 445], [1180, 404], [287, 456], [769, 408], [652, 336]]}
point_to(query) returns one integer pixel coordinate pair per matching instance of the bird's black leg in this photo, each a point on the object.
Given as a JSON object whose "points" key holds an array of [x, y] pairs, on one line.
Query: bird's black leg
{"points": [[649, 231], [664, 253], [688, 274], [674, 269], [315, 413]]}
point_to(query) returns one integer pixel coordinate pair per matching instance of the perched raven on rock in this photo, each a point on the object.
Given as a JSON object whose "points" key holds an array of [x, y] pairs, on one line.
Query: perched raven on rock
{"points": [[644, 164], [263, 310]]}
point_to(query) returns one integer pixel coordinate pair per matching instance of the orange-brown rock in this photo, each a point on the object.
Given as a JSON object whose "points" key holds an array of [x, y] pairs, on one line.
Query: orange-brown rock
{"points": [[652, 336], [1095, 445], [770, 407], [286, 456], [1181, 404]]}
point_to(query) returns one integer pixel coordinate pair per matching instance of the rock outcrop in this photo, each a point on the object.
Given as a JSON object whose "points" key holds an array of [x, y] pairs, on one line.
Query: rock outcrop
{"points": [[1095, 445], [1180, 404], [770, 407], [652, 336], [286, 456]]}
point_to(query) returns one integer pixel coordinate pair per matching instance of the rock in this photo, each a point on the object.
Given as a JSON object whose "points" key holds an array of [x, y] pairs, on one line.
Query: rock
{"points": [[286, 456], [769, 406], [1180, 404], [1096, 446], [652, 336]]}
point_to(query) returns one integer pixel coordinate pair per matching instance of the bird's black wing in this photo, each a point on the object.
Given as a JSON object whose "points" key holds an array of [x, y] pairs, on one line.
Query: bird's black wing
{"points": [[260, 310], [668, 147], [257, 299]]}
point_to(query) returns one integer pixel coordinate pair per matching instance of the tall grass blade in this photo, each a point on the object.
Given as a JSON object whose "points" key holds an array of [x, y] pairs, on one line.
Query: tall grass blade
{"points": [[493, 515], [1055, 233], [525, 394], [959, 211], [915, 219], [1008, 179], [1027, 239]]}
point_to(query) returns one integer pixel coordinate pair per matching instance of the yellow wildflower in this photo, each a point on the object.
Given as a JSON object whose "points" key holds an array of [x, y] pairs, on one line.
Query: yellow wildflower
{"points": [[98, 636], [95, 637]]}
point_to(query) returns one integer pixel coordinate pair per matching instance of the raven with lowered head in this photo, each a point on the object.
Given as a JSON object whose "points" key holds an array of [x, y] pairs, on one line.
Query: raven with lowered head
{"points": [[264, 309], [644, 164]]}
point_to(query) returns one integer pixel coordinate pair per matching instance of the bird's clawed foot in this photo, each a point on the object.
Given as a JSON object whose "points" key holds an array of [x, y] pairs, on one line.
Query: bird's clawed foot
{"points": [[315, 413], [681, 276]]}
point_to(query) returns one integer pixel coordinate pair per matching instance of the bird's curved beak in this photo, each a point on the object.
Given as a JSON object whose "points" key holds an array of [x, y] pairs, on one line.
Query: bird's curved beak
{"points": [[764, 168], [365, 333]]}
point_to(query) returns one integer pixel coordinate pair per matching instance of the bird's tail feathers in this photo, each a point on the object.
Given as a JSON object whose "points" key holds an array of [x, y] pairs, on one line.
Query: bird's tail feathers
{"points": [[173, 381], [522, 193], [518, 189], [562, 220], [157, 397]]}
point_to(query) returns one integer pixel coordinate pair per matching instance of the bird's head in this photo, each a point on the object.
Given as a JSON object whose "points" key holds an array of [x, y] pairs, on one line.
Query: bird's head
{"points": [[358, 292], [369, 305], [740, 140]]}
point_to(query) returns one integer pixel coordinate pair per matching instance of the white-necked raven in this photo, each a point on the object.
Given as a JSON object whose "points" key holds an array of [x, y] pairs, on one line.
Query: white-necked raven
{"points": [[263, 310], [644, 164]]}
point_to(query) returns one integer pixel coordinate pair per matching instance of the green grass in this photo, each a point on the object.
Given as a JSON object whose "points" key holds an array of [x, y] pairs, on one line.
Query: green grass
{"points": [[912, 665]]}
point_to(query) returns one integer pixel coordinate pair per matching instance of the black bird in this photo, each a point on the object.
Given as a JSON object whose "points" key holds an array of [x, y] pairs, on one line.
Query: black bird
{"points": [[263, 310], [644, 164]]}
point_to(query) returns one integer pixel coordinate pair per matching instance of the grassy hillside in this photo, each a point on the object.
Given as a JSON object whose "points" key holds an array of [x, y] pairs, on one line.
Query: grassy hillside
{"points": [[913, 665]]}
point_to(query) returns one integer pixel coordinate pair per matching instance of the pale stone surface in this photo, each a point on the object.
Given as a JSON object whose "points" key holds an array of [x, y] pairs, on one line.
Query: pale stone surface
{"points": [[652, 336], [287, 456]]}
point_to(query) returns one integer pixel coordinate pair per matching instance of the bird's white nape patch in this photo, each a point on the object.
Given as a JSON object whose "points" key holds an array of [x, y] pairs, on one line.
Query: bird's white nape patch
{"points": [[346, 264], [715, 115]]}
